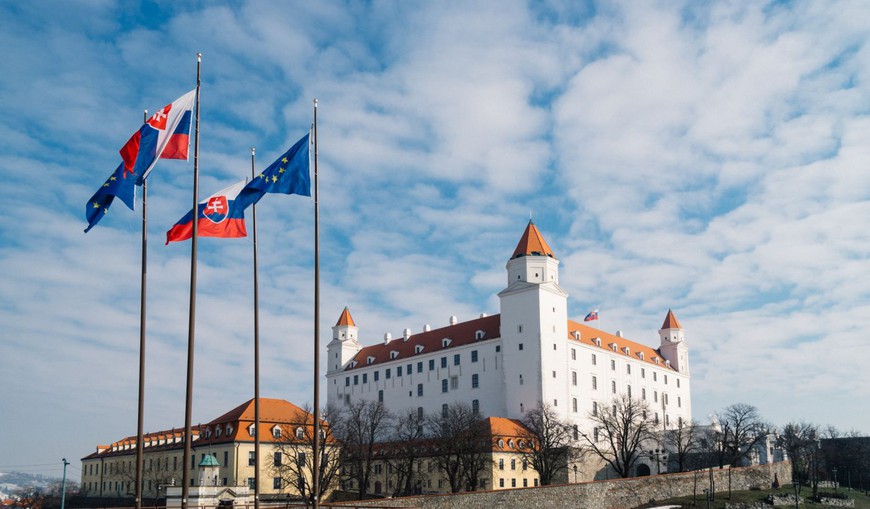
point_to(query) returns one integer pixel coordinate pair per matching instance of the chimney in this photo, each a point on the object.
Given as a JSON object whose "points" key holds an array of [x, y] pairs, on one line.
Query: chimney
{"points": [[406, 334], [387, 337], [619, 334], [453, 320], [427, 328]]}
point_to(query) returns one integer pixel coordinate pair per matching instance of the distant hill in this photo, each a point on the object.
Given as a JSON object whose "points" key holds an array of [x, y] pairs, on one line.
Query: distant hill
{"points": [[13, 483]]}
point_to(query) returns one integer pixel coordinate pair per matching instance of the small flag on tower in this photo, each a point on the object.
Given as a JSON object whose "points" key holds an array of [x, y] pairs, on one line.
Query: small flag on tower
{"points": [[219, 215], [118, 184], [593, 315]]}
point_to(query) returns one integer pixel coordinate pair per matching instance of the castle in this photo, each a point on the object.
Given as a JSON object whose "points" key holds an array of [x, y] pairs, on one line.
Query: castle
{"points": [[508, 363]]}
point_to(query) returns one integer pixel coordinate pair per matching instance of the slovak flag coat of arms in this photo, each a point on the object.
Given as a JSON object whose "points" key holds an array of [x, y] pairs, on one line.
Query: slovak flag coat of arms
{"points": [[219, 215], [165, 135]]}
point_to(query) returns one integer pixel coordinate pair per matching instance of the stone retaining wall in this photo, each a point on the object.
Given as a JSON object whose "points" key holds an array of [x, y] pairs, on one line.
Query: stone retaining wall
{"points": [[612, 494]]}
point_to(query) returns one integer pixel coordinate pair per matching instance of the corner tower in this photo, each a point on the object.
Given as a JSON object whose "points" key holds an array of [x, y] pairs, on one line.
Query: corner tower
{"points": [[673, 346], [344, 345], [534, 325]]}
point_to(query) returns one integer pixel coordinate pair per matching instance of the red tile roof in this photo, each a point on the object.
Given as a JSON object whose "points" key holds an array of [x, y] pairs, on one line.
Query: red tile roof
{"points": [[588, 334], [532, 243], [345, 318], [460, 334], [671, 321]]}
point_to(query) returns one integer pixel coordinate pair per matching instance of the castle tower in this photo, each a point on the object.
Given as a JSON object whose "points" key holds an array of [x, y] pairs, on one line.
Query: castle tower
{"points": [[209, 469], [673, 347], [344, 345], [534, 315]]}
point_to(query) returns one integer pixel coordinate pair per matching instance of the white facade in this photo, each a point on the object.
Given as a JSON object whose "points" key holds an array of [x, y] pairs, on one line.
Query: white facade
{"points": [[507, 363]]}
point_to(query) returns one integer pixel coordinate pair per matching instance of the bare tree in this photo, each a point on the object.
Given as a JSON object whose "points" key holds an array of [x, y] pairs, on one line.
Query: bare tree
{"points": [[548, 442], [293, 463], [682, 443], [404, 450], [800, 441], [742, 429], [363, 425], [462, 445], [619, 433]]}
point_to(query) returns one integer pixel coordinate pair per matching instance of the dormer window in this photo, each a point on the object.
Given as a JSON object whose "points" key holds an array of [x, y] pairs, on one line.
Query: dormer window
{"points": [[207, 434], [478, 335], [370, 359], [353, 364], [667, 363], [217, 431], [612, 346], [418, 348], [576, 335], [446, 342], [597, 341], [229, 429], [394, 354], [276, 432], [300, 433], [626, 350], [501, 443], [511, 444], [640, 355], [657, 360], [252, 430]]}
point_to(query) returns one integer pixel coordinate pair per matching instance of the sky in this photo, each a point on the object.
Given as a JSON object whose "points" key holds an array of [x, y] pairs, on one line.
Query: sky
{"points": [[710, 158]]}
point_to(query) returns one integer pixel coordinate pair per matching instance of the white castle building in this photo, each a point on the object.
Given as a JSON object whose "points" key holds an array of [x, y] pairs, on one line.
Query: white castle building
{"points": [[505, 364]]}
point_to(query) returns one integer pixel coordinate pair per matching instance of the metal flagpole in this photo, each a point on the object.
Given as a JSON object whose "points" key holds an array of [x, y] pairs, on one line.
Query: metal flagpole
{"points": [[256, 355], [139, 428], [191, 325], [316, 443]]}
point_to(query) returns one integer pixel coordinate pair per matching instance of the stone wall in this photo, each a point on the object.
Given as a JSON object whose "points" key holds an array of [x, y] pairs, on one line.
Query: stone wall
{"points": [[612, 494]]}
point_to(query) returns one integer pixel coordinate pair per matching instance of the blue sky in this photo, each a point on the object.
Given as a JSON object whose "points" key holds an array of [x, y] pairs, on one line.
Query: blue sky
{"points": [[711, 159]]}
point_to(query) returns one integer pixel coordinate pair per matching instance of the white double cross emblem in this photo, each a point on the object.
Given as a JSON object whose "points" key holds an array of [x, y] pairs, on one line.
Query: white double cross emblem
{"points": [[215, 206]]}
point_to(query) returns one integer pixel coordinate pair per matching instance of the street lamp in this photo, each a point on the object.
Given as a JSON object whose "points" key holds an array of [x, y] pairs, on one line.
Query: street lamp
{"points": [[797, 487], [835, 479]]}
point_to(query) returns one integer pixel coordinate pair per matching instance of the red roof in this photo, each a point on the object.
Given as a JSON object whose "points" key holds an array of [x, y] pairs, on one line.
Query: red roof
{"points": [[532, 243], [671, 321], [588, 334], [460, 334], [345, 318]]}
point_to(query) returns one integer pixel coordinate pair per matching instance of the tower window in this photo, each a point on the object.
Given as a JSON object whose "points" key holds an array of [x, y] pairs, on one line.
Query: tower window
{"points": [[521, 346]]}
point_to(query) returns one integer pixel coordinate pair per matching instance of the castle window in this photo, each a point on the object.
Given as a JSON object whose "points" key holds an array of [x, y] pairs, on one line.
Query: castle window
{"points": [[628, 368], [399, 371], [573, 378], [444, 410], [501, 461], [387, 373], [655, 396], [365, 378], [594, 382], [443, 362], [420, 367], [419, 389], [431, 364], [628, 390], [666, 379], [555, 402], [380, 396], [594, 408], [475, 406], [655, 376], [377, 376], [612, 347], [554, 374], [597, 341], [497, 348], [573, 354], [276, 460], [475, 381], [640, 355], [474, 356], [300, 433], [346, 379], [456, 360], [370, 359], [678, 383], [574, 404], [356, 379], [276, 432], [612, 365], [521, 346], [594, 360], [444, 385], [613, 386], [394, 354], [418, 348], [479, 334], [445, 342], [520, 329], [643, 393], [454, 382], [252, 430]]}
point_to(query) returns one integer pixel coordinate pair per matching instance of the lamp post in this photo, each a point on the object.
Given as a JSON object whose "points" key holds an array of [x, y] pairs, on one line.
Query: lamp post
{"points": [[797, 488], [707, 497], [835, 479], [63, 484]]}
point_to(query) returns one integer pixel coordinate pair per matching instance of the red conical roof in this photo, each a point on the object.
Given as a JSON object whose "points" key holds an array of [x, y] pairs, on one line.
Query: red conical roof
{"points": [[345, 318], [532, 243], [671, 321]]}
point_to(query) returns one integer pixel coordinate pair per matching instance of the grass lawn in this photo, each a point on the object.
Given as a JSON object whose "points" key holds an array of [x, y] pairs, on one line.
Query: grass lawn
{"points": [[862, 501]]}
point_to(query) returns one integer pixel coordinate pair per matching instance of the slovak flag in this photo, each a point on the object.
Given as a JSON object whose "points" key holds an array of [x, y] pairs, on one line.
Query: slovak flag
{"points": [[220, 215], [593, 315], [165, 135]]}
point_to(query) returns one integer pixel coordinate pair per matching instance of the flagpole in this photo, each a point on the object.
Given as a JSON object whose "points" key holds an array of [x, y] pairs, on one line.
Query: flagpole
{"points": [[191, 325], [144, 271], [316, 443], [256, 353]]}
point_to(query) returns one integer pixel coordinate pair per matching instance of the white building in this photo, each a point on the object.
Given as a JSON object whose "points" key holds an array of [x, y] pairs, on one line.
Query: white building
{"points": [[506, 363]]}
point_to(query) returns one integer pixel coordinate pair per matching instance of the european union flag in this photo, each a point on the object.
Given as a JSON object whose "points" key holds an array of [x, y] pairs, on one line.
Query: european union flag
{"points": [[117, 184], [289, 174]]}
